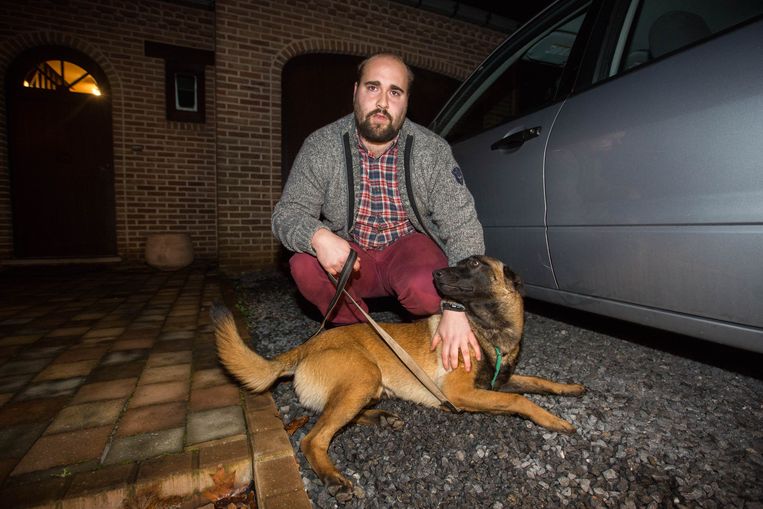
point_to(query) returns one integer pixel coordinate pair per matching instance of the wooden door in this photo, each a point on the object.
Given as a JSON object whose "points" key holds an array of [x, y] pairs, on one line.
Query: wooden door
{"points": [[62, 178]]}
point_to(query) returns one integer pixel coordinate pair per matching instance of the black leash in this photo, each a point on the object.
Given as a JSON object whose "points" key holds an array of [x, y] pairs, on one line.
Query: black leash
{"points": [[404, 356]]}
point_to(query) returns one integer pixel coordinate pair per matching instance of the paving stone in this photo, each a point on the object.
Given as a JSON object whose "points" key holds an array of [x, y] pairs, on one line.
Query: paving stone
{"points": [[14, 383], [67, 332], [32, 411], [209, 378], [106, 487], [294, 499], [145, 445], [23, 367], [159, 393], [17, 321], [109, 332], [169, 336], [61, 370], [178, 373], [269, 444], [19, 340], [16, 440], [214, 397], [281, 476], [64, 449], [88, 316], [6, 467], [40, 494], [173, 346], [132, 344], [160, 468], [114, 389], [213, 424], [87, 415], [52, 388], [41, 352], [124, 356], [82, 354], [229, 452], [4, 398], [169, 358], [117, 371], [152, 418]]}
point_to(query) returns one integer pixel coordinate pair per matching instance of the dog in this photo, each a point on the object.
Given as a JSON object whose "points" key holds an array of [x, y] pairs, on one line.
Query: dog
{"points": [[342, 371]]}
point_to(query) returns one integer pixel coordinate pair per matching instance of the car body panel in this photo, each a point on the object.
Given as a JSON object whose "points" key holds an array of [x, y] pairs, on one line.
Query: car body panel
{"points": [[665, 185], [511, 202], [643, 197]]}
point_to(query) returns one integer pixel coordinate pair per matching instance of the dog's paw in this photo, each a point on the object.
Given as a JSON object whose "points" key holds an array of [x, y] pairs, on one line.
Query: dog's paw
{"points": [[575, 390], [340, 488], [391, 420], [565, 427]]}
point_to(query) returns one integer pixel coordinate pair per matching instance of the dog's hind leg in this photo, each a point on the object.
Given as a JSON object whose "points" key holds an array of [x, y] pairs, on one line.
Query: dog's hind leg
{"points": [[373, 417], [536, 385], [351, 381]]}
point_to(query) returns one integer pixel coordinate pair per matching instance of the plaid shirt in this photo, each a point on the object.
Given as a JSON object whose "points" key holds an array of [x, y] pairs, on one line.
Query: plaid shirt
{"points": [[381, 219]]}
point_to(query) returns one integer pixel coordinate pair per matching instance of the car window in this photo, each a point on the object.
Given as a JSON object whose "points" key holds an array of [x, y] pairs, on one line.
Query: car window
{"points": [[660, 27], [519, 83]]}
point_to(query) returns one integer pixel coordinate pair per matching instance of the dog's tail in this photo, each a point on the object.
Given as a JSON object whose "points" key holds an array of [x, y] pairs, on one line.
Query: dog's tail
{"points": [[251, 369]]}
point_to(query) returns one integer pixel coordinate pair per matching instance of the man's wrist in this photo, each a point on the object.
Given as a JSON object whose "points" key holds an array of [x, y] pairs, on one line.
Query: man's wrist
{"points": [[449, 305]]}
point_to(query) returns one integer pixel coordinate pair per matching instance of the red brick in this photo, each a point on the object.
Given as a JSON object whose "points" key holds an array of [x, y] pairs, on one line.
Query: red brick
{"points": [[64, 449]]}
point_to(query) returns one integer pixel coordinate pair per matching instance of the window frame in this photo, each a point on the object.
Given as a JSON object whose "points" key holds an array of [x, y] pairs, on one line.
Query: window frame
{"points": [[511, 49], [180, 60]]}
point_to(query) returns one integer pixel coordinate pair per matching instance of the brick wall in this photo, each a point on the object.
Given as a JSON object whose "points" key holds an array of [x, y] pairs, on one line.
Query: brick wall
{"points": [[255, 38], [164, 171], [220, 180]]}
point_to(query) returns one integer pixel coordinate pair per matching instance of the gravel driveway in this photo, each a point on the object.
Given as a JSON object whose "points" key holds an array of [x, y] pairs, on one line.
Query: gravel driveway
{"points": [[654, 429]]}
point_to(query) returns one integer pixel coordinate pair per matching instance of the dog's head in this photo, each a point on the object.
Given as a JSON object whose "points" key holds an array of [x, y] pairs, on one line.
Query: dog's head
{"points": [[478, 278]]}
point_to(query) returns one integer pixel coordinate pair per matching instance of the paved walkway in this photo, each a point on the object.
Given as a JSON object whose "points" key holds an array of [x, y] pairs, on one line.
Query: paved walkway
{"points": [[111, 394]]}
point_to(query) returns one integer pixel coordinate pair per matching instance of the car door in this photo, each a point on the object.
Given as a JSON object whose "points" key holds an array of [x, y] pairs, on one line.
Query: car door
{"points": [[653, 175], [499, 123]]}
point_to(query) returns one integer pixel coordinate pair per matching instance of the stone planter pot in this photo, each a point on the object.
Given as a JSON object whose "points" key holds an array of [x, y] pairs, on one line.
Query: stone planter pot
{"points": [[169, 251]]}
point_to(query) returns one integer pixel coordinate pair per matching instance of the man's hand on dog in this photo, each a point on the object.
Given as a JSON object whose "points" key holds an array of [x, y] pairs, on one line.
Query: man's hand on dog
{"points": [[332, 251], [456, 336]]}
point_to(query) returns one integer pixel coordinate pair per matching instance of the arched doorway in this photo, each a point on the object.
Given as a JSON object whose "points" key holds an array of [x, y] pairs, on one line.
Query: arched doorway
{"points": [[61, 155]]}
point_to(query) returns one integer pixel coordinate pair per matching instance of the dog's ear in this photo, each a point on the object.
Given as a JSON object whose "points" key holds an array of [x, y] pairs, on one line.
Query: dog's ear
{"points": [[513, 279]]}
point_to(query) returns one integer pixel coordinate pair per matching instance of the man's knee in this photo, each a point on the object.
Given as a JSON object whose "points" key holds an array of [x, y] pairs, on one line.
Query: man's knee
{"points": [[417, 293]]}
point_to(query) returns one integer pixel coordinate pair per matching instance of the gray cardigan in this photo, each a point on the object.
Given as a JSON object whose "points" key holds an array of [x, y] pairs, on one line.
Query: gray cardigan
{"points": [[317, 194]]}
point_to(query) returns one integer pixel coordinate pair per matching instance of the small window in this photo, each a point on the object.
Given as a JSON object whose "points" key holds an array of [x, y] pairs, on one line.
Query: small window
{"points": [[184, 79], [662, 27], [63, 76], [517, 84], [186, 92]]}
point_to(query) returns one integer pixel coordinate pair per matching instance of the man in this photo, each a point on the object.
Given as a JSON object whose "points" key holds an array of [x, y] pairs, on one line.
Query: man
{"points": [[384, 186]]}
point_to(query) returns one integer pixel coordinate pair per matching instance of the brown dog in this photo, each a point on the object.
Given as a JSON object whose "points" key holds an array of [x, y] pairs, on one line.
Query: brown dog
{"points": [[341, 371]]}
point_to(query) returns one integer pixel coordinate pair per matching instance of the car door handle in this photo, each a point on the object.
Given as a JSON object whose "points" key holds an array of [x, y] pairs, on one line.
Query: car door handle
{"points": [[516, 140]]}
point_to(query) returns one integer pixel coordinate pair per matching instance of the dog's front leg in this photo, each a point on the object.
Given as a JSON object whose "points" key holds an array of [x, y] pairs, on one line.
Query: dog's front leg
{"points": [[538, 385], [465, 396]]}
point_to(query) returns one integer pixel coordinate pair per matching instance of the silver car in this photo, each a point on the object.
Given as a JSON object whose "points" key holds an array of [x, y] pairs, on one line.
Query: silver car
{"points": [[615, 152]]}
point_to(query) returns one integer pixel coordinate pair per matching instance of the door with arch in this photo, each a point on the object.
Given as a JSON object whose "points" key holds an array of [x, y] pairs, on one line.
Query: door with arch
{"points": [[61, 156]]}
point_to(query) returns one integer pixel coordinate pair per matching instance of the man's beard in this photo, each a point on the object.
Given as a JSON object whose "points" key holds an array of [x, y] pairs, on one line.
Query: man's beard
{"points": [[376, 133]]}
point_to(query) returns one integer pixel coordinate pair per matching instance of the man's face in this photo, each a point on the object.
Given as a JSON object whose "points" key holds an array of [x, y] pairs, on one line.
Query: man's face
{"points": [[380, 99]]}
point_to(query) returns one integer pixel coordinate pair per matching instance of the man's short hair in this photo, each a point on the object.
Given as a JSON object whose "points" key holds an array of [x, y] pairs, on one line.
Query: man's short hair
{"points": [[393, 56]]}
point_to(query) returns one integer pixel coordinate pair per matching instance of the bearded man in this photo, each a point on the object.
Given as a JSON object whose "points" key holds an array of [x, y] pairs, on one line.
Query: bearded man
{"points": [[377, 183]]}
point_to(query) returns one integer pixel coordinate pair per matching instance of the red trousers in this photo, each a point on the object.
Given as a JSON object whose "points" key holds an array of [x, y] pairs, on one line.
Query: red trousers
{"points": [[403, 270]]}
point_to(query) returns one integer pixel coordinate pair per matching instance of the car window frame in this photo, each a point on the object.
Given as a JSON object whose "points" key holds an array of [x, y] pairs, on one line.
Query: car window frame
{"points": [[517, 43], [615, 26]]}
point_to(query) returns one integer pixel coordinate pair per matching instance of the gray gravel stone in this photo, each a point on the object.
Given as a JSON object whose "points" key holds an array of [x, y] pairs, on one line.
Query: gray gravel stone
{"points": [[654, 429]]}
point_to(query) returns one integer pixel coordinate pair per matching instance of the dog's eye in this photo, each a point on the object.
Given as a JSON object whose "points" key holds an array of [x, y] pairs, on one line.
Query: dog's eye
{"points": [[474, 263]]}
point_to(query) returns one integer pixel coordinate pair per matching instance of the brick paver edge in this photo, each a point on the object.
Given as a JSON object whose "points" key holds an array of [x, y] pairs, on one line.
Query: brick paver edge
{"points": [[276, 458]]}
